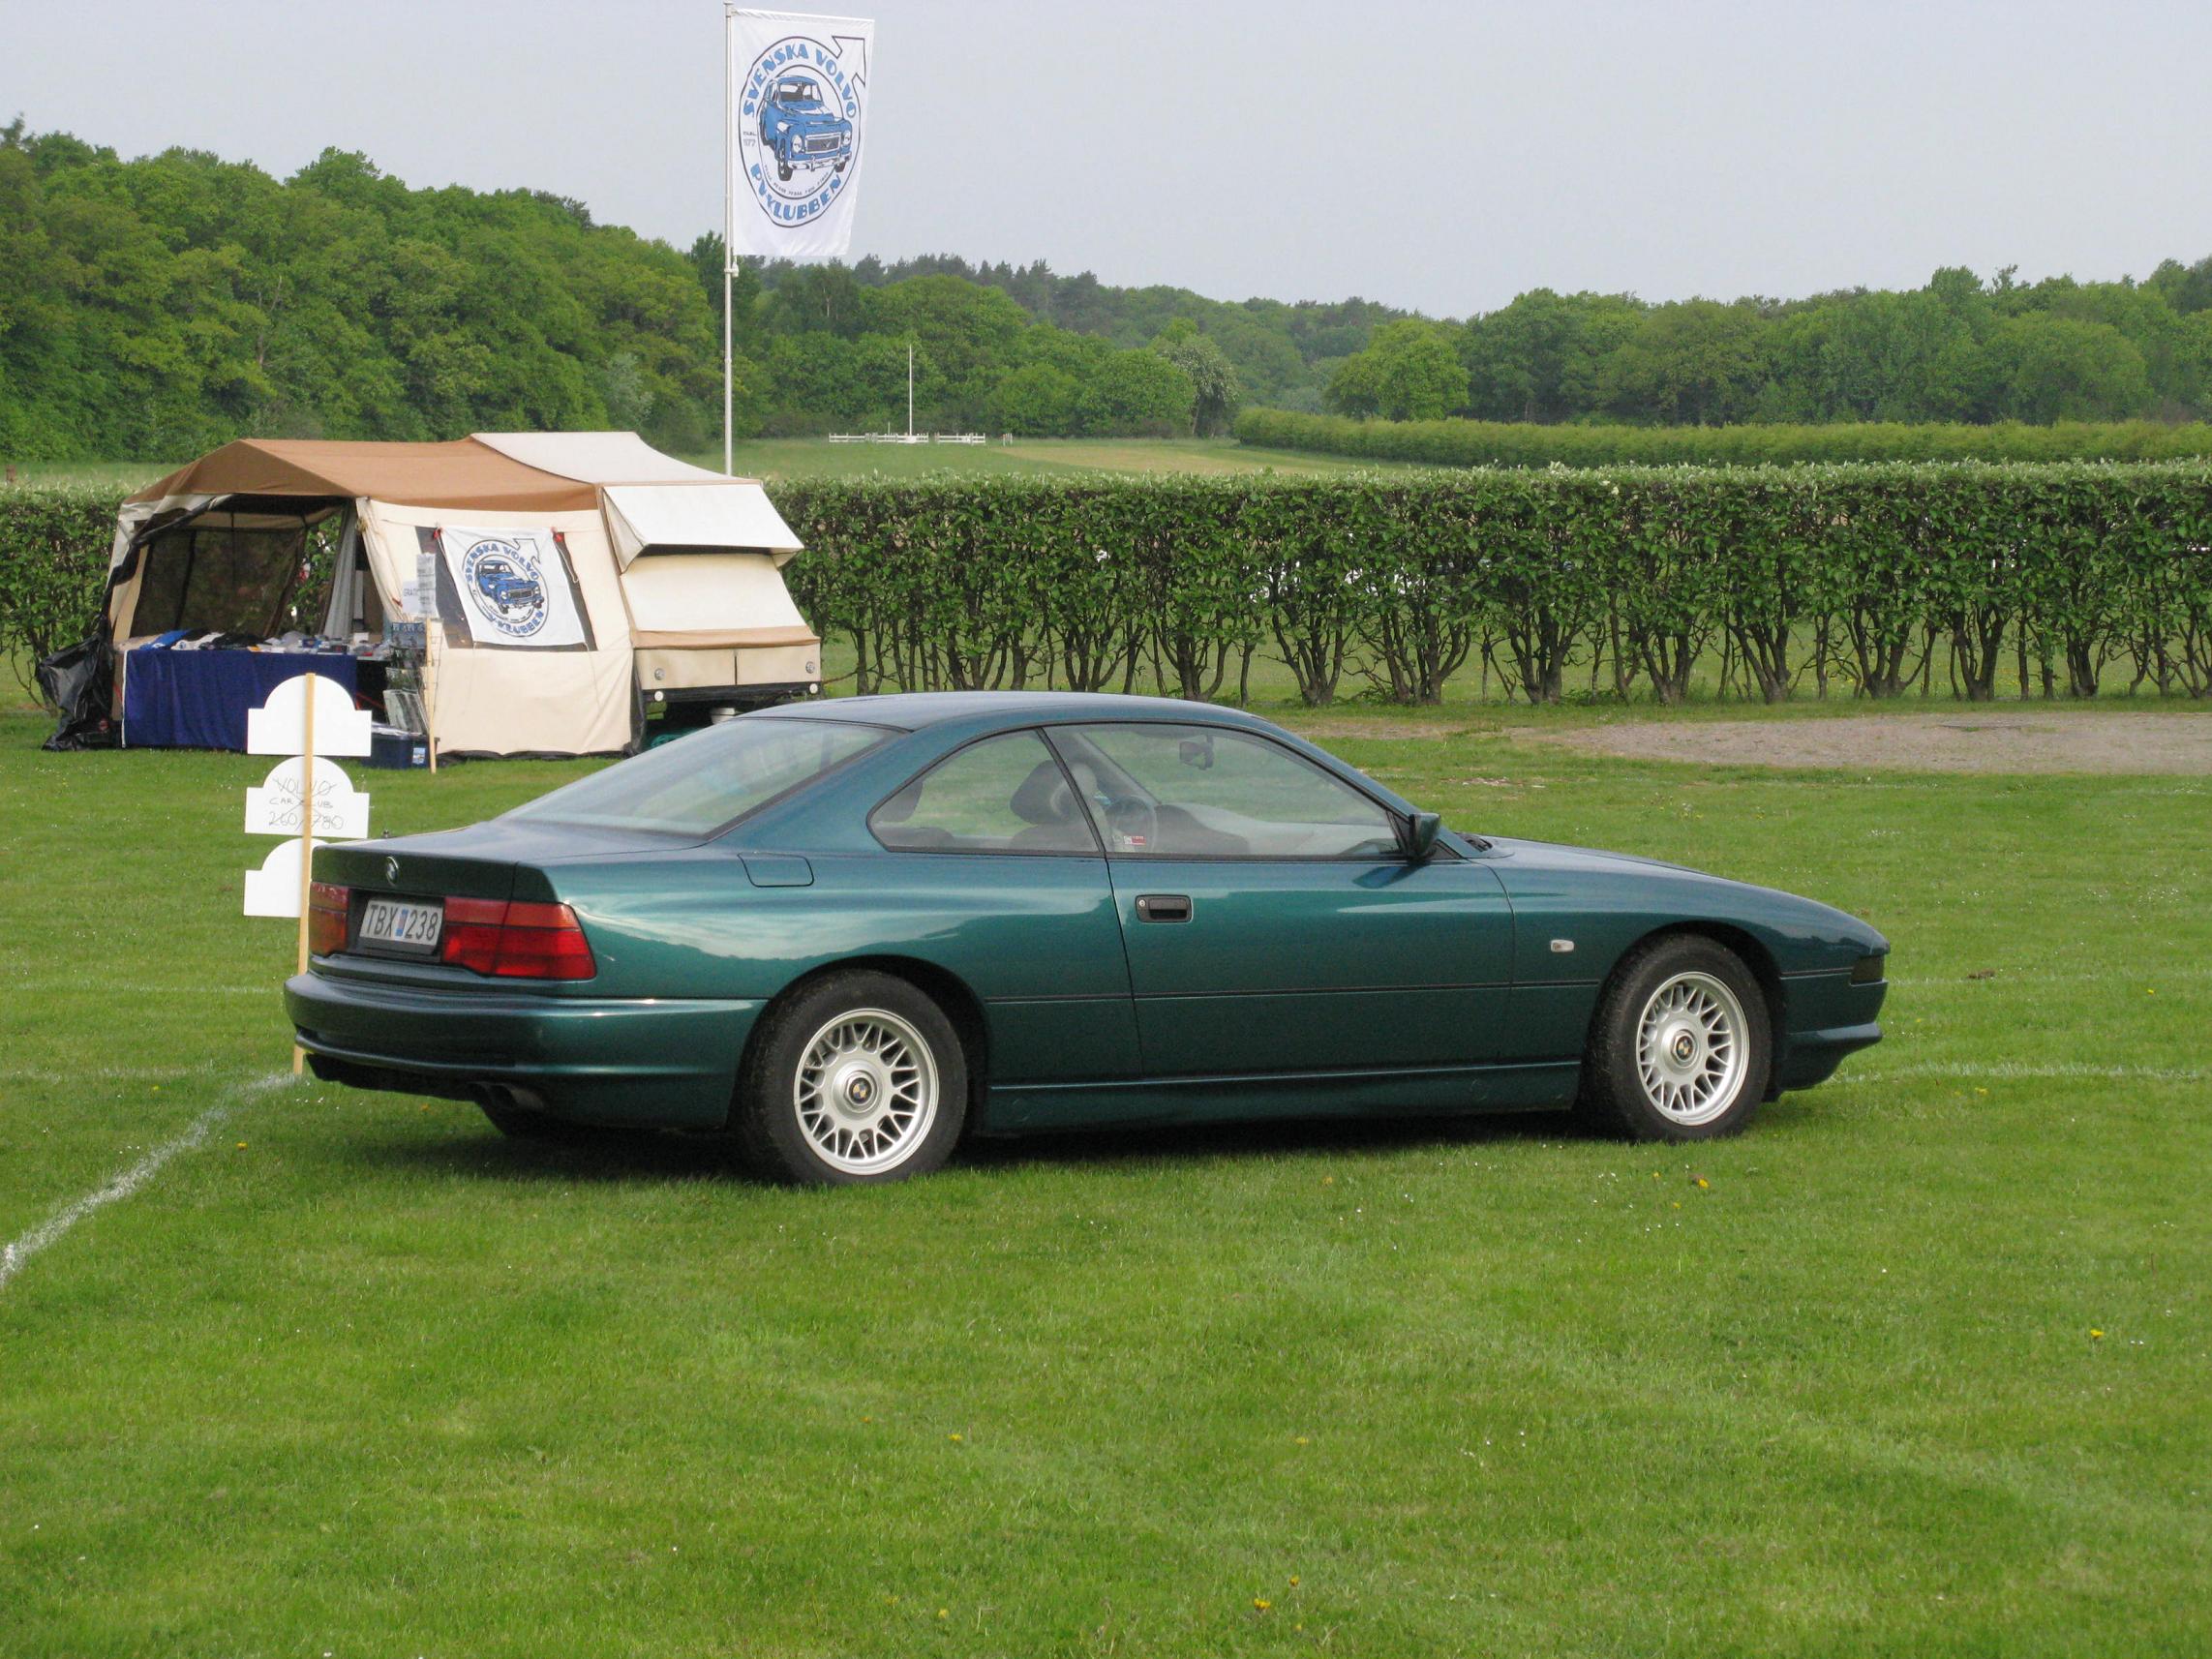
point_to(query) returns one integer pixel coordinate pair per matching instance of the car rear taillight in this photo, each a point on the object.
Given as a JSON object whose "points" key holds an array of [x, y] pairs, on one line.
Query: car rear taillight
{"points": [[515, 940], [326, 907]]}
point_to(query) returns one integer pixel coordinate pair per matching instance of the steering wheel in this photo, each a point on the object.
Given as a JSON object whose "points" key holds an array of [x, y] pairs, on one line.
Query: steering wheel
{"points": [[1133, 824]]}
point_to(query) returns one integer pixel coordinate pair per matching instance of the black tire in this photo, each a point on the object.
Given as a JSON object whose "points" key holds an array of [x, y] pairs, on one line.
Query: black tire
{"points": [[783, 171], [1615, 1096], [543, 1128], [770, 1128]]}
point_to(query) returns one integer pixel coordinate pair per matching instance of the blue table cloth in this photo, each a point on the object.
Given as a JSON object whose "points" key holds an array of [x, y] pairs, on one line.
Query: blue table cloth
{"points": [[197, 700]]}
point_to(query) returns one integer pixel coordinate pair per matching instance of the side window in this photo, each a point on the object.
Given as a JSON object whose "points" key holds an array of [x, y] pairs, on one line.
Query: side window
{"points": [[1003, 795], [1205, 793]]}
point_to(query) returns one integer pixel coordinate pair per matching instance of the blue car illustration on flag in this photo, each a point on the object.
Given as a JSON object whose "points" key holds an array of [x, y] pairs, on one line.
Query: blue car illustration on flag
{"points": [[512, 594], [801, 131], [512, 588]]}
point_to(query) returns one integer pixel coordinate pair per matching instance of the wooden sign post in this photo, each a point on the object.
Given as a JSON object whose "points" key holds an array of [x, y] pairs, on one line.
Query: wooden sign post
{"points": [[287, 724]]}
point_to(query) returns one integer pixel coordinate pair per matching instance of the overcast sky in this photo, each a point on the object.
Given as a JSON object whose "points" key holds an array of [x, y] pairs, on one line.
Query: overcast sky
{"points": [[1437, 156]]}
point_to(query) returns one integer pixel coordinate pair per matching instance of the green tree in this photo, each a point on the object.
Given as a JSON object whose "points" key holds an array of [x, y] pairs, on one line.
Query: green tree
{"points": [[1695, 362], [1135, 394], [1408, 372], [2047, 368], [1036, 401], [1539, 358], [1216, 393]]}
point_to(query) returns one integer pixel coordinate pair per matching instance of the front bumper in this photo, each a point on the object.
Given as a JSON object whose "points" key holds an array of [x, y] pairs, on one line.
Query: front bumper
{"points": [[1825, 1017], [644, 1063]]}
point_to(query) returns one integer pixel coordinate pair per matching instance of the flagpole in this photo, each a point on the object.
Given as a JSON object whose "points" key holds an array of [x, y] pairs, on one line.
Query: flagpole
{"points": [[729, 204]]}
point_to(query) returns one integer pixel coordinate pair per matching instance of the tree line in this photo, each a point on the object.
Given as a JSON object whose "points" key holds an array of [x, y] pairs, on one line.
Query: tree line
{"points": [[156, 307], [1959, 349]]}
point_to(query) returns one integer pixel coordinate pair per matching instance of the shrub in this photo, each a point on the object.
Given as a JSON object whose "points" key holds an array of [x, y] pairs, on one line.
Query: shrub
{"points": [[1622, 580], [1506, 443]]}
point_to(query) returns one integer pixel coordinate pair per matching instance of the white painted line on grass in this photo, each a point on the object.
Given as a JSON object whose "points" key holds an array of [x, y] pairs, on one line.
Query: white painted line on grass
{"points": [[103, 1075], [15, 1254], [2005, 1071], [2116, 977], [103, 988]]}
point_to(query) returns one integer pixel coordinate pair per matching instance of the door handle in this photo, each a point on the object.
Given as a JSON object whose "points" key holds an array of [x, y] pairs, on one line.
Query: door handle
{"points": [[1162, 907]]}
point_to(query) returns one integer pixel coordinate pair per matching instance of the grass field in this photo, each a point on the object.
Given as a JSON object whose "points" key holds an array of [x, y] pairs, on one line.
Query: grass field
{"points": [[816, 458], [1921, 1365]]}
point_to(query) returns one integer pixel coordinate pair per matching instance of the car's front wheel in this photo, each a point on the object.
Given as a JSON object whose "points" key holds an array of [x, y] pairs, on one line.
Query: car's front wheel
{"points": [[859, 1078], [1680, 1048]]}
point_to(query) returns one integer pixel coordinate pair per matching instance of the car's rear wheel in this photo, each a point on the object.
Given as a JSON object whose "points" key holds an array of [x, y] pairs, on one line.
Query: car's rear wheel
{"points": [[858, 1077], [1680, 1048]]}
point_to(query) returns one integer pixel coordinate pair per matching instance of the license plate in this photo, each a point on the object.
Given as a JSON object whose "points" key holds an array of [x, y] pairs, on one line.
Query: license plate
{"points": [[403, 925]]}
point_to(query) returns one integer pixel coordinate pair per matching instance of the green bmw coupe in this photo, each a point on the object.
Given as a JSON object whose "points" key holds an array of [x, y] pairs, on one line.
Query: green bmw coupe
{"points": [[848, 933]]}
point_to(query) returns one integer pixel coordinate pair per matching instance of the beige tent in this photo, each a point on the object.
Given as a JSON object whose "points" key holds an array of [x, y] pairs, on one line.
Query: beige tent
{"points": [[572, 576], [699, 556]]}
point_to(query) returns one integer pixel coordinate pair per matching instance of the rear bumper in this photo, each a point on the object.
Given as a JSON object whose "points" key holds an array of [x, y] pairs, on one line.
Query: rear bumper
{"points": [[647, 1062]]}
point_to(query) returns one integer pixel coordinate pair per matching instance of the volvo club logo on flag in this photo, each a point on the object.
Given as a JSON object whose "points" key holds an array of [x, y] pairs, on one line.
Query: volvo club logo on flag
{"points": [[514, 585], [798, 101], [505, 586]]}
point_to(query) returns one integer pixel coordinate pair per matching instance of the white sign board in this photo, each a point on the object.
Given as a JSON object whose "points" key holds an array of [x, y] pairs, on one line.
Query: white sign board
{"points": [[279, 726], [799, 121], [340, 811], [513, 586], [273, 890]]}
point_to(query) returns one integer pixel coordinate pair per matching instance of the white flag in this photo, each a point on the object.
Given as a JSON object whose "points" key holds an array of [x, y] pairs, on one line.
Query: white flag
{"points": [[514, 588], [798, 102]]}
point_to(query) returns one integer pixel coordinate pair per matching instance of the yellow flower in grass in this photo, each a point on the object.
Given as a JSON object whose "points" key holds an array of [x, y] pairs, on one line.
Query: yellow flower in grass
{"points": [[1260, 1603], [954, 1438], [2095, 1334]]}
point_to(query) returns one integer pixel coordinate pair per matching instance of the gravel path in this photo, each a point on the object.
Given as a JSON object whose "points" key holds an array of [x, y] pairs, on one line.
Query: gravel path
{"points": [[1957, 741]]}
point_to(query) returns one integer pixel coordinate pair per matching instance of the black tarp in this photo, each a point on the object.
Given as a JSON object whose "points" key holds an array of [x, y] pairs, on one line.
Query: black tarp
{"points": [[81, 681]]}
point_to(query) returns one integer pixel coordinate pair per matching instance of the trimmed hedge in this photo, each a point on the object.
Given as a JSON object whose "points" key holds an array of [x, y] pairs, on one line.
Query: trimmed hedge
{"points": [[1630, 582], [1499, 444], [55, 545]]}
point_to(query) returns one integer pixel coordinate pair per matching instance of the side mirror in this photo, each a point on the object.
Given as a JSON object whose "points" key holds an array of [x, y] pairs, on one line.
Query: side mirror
{"points": [[1421, 831]]}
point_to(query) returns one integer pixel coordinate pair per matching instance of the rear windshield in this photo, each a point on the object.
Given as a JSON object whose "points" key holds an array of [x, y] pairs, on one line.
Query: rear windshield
{"points": [[697, 784]]}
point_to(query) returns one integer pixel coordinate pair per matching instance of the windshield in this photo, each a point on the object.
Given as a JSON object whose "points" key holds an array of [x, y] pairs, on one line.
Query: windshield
{"points": [[697, 784], [796, 92]]}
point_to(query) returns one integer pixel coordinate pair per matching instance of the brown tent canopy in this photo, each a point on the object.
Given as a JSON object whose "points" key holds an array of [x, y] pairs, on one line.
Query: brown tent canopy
{"points": [[463, 473], [641, 577]]}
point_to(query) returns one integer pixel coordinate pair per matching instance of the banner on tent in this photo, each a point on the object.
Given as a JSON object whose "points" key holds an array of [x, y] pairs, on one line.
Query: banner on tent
{"points": [[799, 117], [513, 587]]}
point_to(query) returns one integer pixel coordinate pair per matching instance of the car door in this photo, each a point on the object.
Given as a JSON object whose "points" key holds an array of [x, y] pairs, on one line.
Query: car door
{"points": [[1271, 922], [995, 875]]}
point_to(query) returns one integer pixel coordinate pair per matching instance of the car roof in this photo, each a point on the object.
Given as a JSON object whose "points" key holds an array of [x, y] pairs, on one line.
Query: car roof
{"points": [[983, 710]]}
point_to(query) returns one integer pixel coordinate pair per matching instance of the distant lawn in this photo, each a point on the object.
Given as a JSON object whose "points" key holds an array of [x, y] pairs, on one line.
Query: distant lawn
{"points": [[122, 476], [1916, 1367], [818, 458]]}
